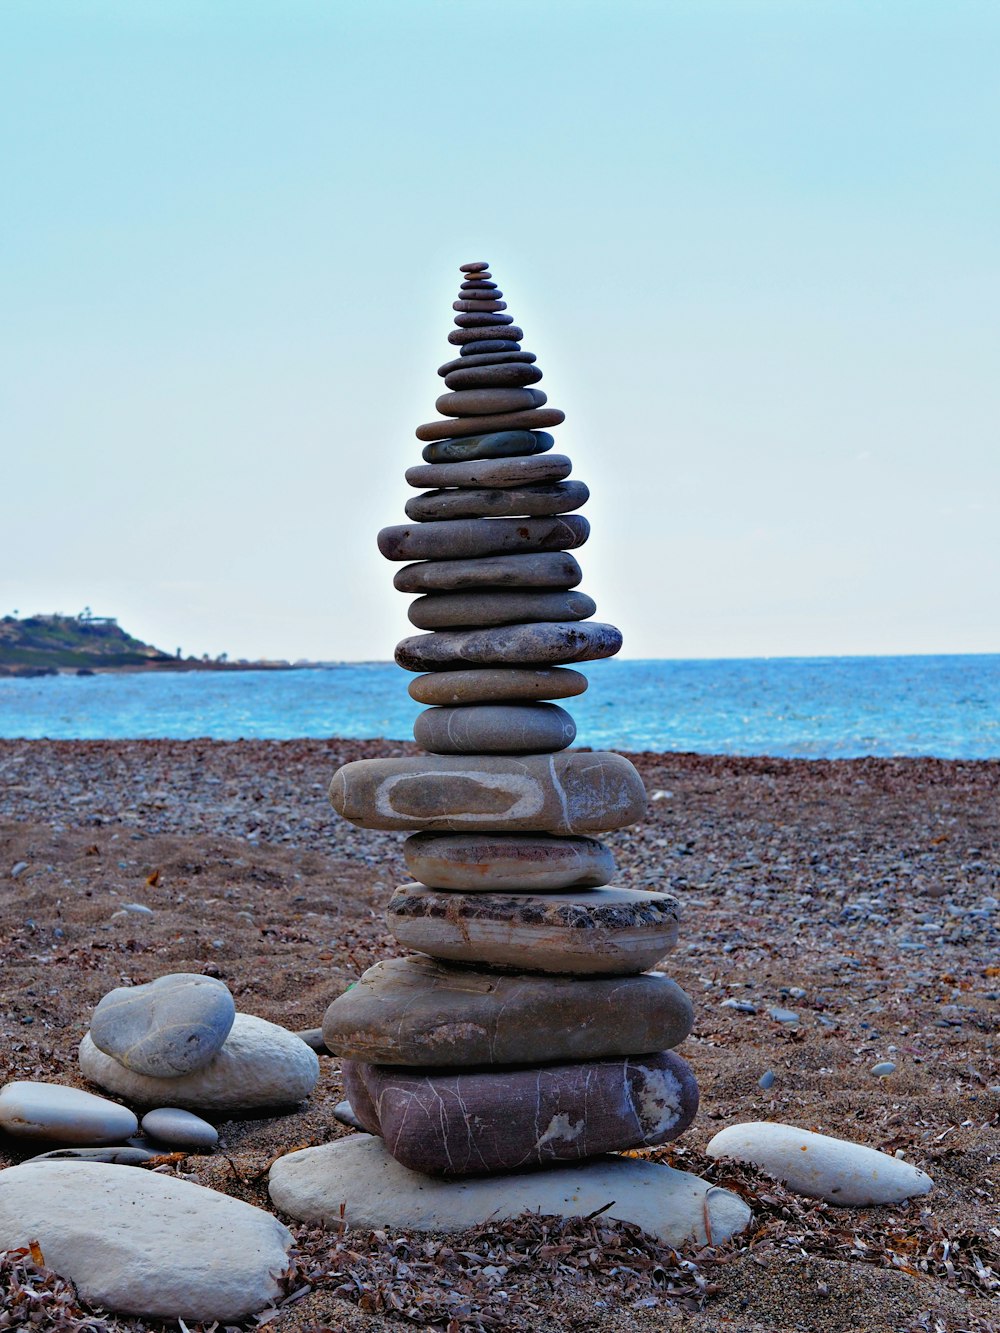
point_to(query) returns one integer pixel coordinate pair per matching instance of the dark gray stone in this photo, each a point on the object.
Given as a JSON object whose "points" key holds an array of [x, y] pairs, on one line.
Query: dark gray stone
{"points": [[510, 863], [313, 1038], [495, 729], [548, 569], [510, 332], [449, 1123], [491, 473], [165, 1028], [484, 320], [496, 356], [450, 610], [535, 418], [485, 402], [475, 266], [120, 1156], [493, 444], [494, 502], [547, 643], [179, 1129], [506, 375], [464, 538], [499, 345], [496, 685], [469, 305]]}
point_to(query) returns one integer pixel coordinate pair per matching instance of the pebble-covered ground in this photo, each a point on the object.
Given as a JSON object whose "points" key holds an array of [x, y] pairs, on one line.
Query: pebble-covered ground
{"points": [[860, 897]]}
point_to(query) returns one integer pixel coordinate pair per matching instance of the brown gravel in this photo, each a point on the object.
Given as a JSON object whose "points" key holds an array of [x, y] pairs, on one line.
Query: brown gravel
{"points": [[862, 894]]}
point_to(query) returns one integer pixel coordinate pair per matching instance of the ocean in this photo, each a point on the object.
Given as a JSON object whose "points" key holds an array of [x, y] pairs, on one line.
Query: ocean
{"points": [[830, 707]]}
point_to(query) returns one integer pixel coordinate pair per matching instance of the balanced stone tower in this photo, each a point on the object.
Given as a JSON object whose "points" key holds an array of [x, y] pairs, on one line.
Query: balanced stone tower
{"points": [[526, 1031]]}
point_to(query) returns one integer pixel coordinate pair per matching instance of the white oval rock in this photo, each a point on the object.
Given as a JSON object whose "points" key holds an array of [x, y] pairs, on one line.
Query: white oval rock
{"points": [[145, 1244], [58, 1114], [261, 1064], [167, 1027], [821, 1167]]}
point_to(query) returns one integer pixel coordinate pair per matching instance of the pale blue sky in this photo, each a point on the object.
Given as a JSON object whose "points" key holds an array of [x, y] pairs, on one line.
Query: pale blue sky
{"points": [[753, 244]]}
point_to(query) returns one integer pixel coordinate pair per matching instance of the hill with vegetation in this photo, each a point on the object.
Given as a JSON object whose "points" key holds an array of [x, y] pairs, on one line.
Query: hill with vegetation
{"points": [[34, 644]]}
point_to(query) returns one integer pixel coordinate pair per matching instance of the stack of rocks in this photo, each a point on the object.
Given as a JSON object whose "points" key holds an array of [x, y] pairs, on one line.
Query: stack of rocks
{"points": [[527, 1032]]}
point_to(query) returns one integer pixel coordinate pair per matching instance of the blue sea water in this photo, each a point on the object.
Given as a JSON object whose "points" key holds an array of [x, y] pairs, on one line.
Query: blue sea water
{"points": [[832, 707]]}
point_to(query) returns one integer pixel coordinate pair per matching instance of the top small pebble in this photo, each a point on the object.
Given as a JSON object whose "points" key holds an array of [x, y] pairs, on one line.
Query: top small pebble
{"points": [[166, 1028]]}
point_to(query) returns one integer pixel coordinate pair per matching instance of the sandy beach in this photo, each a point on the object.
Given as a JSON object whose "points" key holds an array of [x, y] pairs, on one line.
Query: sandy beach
{"points": [[860, 894]]}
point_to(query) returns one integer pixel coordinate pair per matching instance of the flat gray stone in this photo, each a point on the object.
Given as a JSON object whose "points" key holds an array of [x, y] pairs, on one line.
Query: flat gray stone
{"points": [[179, 1128], [474, 266], [420, 1012], [449, 1122], [596, 932], [509, 862], [496, 345], [545, 643], [506, 375], [534, 418], [121, 1155], [166, 1027], [489, 401], [460, 539], [485, 608], [313, 1037], [495, 729], [496, 685], [459, 337], [493, 356], [467, 304], [570, 792], [355, 1181], [54, 1113], [547, 569], [523, 470], [261, 1065], [145, 1244], [530, 501], [483, 319], [492, 444]]}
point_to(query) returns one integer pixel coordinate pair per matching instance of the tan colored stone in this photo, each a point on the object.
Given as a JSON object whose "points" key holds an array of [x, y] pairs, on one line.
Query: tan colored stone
{"points": [[509, 862], [496, 685]]}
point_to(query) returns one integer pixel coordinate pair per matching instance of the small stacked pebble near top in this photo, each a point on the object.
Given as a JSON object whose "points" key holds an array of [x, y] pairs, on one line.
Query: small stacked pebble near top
{"points": [[526, 1031]]}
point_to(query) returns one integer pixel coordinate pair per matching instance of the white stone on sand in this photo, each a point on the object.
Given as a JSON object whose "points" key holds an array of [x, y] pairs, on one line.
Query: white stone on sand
{"points": [[821, 1167]]}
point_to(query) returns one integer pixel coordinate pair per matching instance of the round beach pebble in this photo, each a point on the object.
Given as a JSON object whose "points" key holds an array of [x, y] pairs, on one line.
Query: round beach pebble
{"points": [[544, 569], [486, 347], [166, 1027], [506, 375], [495, 729], [529, 501], [546, 643], [610, 932], [484, 319], [468, 538], [496, 685], [821, 1167], [55, 1113], [508, 862], [452, 610], [145, 1244], [491, 444], [491, 473], [482, 402], [495, 356], [474, 266], [508, 332], [261, 1064], [535, 418], [179, 1129]]}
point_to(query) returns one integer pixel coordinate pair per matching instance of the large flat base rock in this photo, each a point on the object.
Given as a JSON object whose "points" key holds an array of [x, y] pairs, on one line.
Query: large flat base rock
{"points": [[357, 1175]]}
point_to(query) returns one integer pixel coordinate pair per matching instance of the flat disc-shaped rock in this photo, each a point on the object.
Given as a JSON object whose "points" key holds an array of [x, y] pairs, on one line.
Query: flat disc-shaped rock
{"points": [[260, 1065], [456, 1123], [494, 357], [483, 319], [542, 644], [570, 792], [604, 932], [465, 538], [469, 305], [462, 337], [486, 347], [420, 1012], [492, 472], [495, 729], [496, 685], [178, 1128], [535, 418], [504, 376], [54, 1113], [509, 862], [166, 1027], [474, 266], [530, 501], [488, 444], [547, 569], [145, 1244], [447, 610], [484, 402], [355, 1181]]}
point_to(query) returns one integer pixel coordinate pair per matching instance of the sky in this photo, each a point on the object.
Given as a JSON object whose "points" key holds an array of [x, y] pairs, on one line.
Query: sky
{"points": [[753, 244]]}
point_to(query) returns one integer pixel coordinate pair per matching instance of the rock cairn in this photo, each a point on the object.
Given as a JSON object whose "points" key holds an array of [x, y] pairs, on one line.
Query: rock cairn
{"points": [[526, 1032]]}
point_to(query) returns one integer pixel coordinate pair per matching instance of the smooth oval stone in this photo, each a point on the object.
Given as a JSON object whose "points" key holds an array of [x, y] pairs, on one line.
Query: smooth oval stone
{"points": [[476, 266], [495, 729], [461, 539], [418, 1011], [121, 1155], [498, 444], [145, 1244], [55, 1113], [506, 375], [179, 1128], [482, 402], [478, 281], [607, 932], [511, 862], [453, 427], [496, 685], [494, 357], [166, 1027], [542, 644], [547, 569], [459, 337], [471, 306], [445, 610], [571, 792], [484, 320], [354, 1181], [821, 1167], [530, 501], [260, 1065], [460, 1123], [498, 345], [489, 473]]}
